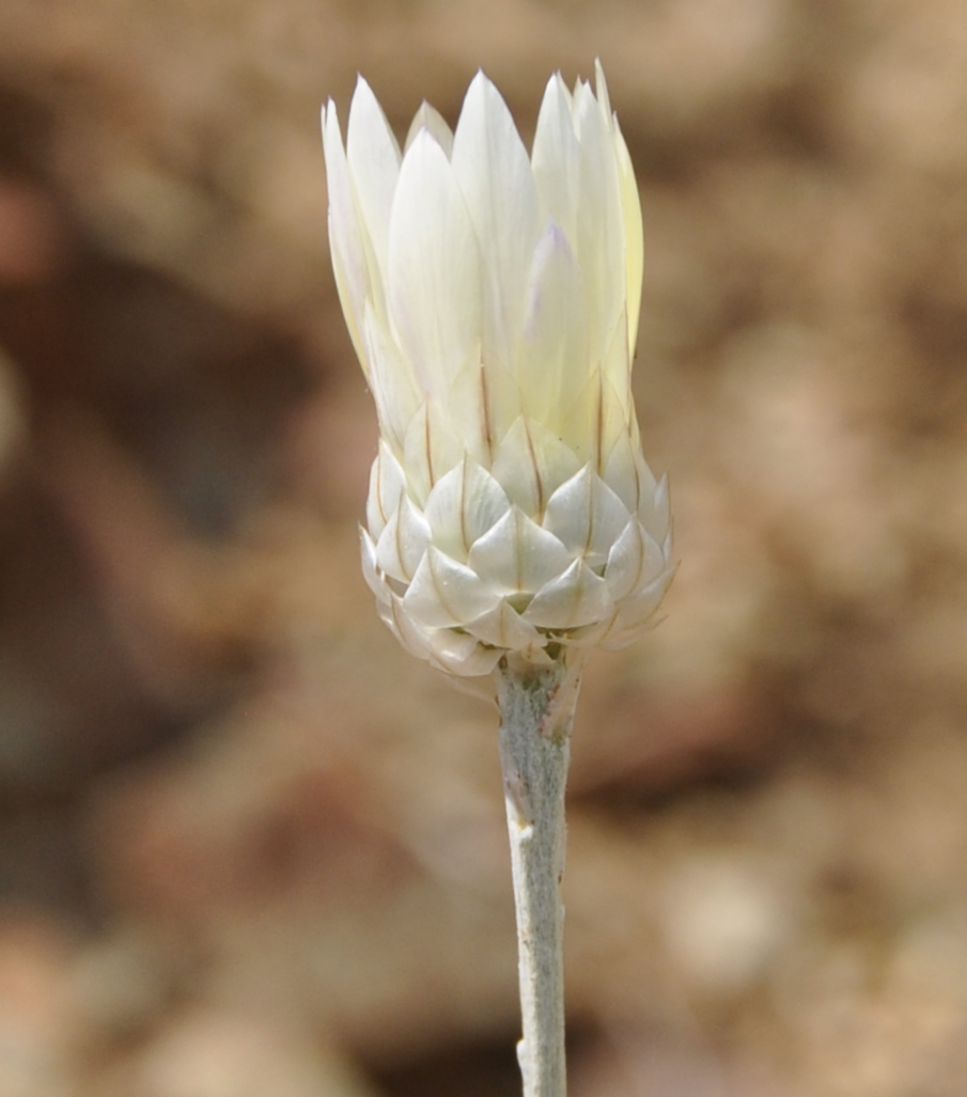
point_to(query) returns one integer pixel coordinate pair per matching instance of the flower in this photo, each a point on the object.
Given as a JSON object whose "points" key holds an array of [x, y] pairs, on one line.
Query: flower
{"points": [[492, 298]]}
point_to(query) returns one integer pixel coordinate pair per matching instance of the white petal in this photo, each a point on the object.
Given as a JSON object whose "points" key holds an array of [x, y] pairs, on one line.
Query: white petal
{"points": [[601, 89], [556, 157], [481, 403], [616, 374], [403, 543], [516, 555], [587, 516], [631, 214], [600, 239], [434, 277], [505, 628], [345, 238], [374, 165], [578, 597], [430, 119], [430, 450], [445, 592], [554, 356], [598, 413], [494, 173], [530, 464], [462, 506], [621, 472], [387, 483], [391, 380]]}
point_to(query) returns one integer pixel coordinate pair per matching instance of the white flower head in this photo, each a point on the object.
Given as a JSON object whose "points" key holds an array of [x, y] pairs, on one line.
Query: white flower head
{"points": [[492, 298]]}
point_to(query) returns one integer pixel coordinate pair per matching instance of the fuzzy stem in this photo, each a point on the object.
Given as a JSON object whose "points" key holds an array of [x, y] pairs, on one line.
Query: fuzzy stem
{"points": [[537, 711]]}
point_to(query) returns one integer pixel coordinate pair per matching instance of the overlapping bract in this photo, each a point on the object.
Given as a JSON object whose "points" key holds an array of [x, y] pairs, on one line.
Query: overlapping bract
{"points": [[492, 298]]}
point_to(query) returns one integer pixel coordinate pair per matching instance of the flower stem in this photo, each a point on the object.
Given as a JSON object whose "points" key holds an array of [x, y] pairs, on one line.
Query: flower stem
{"points": [[537, 711]]}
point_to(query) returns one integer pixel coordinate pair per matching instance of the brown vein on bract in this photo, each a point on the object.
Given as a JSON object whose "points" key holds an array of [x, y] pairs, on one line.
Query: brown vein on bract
{"points": [[634, 465], [463, 506], [538, 479], [427, 444], [591, 509], [485, 407]]}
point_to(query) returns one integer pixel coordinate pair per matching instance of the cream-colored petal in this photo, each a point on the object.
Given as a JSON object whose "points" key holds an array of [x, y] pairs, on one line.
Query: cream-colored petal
{"points": [[445, 592], [403, 543], [434, 268], [578, 597], [518, 472], [616, 374], [556, 157], [481, 403], [599, 241], [601, 90], [430, 119], [634, 245], [387, 483], [530, 464], [346, 242], [554, 350], [430, 450], [374, 165], [621, 472], [516, 555], [462, 506], [391, 380], [494, 173]]}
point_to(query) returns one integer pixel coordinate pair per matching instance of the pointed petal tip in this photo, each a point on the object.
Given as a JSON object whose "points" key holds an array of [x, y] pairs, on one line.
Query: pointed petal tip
{"points": [[361, 90], [331, 129], [421, 145]]}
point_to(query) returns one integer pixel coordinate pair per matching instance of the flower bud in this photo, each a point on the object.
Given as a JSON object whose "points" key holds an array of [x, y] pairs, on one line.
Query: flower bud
{"points": [[492, 298]]}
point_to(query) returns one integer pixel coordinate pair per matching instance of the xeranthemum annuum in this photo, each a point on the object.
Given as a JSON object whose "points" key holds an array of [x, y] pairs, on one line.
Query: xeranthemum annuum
{"points": [[492, 298]]}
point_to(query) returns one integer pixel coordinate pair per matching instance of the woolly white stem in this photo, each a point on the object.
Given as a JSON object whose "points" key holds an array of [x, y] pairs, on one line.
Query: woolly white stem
{"points": [[537, 711]]}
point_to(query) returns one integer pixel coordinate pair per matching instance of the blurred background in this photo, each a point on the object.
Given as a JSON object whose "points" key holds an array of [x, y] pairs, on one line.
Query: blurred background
{"points": [[249, 847]]}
